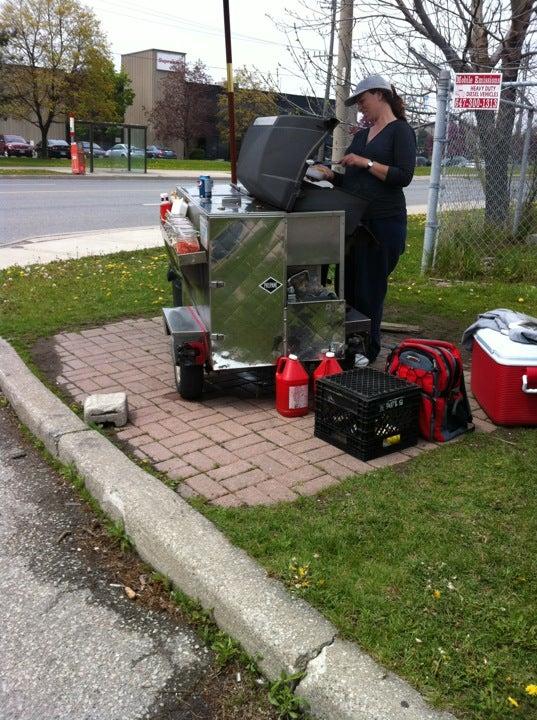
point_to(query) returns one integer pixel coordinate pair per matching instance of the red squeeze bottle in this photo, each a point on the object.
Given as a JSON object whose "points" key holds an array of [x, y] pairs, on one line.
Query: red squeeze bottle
{"points": [[292, 383], [328, 366], [165, 206]]}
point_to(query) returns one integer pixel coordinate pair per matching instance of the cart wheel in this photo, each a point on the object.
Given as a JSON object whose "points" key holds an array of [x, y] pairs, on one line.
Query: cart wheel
{"points": [[189, 381]]}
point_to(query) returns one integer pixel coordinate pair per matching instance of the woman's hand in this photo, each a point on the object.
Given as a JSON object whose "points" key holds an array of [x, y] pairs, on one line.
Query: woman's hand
{"points": [[356, 160]]}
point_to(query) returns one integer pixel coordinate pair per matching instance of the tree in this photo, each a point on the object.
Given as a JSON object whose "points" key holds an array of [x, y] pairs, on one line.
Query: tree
{"points": [[4, 92], [57, 61], [123, 94], [186, 107], [102, 94], [255, 96], [473, 36], [468, 36]]}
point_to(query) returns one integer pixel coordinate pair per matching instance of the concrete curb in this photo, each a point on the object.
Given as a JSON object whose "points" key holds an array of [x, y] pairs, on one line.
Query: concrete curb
{"points": [[282, 631]]}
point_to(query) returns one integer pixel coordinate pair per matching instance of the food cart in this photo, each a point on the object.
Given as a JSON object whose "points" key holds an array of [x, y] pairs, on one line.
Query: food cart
{"points": [[253, 285]]}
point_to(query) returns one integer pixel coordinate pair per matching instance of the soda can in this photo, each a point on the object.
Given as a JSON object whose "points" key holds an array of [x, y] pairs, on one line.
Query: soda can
{"points": [[205, 185]]}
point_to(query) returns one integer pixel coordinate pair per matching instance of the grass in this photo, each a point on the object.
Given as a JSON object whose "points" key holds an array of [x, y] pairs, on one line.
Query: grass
{"points": [[42, 300], [466, 239], [26, 171], [119, 163], [445, 307], [428, 566]]}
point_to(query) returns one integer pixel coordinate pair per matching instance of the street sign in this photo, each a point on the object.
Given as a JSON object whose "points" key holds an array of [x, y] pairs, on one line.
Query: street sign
{"points": [[477, 91]]}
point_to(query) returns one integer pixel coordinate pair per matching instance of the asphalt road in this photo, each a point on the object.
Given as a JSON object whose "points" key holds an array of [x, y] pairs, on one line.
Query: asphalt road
{"points": [[72, 644], [34, 207]]}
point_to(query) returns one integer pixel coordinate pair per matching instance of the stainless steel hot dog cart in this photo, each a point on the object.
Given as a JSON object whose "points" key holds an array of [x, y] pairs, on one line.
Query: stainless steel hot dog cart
{"points": [[253, 290]]}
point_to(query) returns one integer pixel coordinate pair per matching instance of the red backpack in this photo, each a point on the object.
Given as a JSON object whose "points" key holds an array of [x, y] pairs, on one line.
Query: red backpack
{"points": [[436, 367]]}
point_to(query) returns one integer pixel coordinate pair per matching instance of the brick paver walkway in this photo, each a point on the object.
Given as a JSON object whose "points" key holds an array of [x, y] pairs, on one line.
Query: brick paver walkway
{"points": [[232, 450]]}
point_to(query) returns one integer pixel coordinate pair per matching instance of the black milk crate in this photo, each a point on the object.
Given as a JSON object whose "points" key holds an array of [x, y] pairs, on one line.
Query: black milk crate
{"points": [[367, 413]]}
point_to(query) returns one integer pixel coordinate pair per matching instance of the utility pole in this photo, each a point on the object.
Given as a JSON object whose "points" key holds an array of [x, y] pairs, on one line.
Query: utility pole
{"points": [[328, 84], [343, 76]]}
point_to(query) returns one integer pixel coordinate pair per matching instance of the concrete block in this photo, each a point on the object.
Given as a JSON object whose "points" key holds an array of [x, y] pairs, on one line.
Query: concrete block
{"points": [[44, 414], [106, 408], [343, 683], [282, 630]]}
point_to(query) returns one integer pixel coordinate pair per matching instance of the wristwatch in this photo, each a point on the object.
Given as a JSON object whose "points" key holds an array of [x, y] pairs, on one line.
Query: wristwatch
{"points": [[369, 164]]}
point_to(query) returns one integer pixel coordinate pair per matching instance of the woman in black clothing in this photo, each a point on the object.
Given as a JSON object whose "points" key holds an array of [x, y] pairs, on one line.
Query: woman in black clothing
{"points": [[378, 164]]}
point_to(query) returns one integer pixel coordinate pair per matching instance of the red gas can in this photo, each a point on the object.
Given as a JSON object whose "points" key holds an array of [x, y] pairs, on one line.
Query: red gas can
{"points": [[328, 366], [292, 383]]}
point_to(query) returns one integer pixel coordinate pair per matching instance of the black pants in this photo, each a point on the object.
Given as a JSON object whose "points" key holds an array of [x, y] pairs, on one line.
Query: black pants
{"points": [[368, 266]]}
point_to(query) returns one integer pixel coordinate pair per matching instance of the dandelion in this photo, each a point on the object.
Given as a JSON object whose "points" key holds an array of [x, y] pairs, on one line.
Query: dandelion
{"points": [[437, 594], [512, 701], [531, 689], [520, 299]]}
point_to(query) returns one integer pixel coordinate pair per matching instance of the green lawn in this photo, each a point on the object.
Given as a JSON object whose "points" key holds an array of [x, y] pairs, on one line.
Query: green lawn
{"points": [[429, 566], [118, 163], [26, 171]]}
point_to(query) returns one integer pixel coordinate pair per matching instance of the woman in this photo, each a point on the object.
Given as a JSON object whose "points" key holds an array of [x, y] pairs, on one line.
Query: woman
{"points": [[378, 164]]}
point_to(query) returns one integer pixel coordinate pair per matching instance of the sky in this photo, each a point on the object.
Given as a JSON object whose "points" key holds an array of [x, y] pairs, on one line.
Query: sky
{"points": [[197, 28]]}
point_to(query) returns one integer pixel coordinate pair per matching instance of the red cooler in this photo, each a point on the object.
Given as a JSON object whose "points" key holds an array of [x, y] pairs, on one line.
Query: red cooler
{"points": [[504, 378]]}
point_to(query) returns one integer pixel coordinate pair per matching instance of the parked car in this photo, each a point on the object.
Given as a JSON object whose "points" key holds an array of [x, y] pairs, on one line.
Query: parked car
{"points": [[422, 161], [456, 161], [56, 148], [98, 152], [122, 150], [15, 145], [154, 151]]}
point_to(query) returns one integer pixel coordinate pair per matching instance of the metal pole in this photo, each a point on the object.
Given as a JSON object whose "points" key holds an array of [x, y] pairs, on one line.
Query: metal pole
{"points": [[230, 96], [440, 126], [344, 54], [145, 149], [523, 172], [91, 146]]}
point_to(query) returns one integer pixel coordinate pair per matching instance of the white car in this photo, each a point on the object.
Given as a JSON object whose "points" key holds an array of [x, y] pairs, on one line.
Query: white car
{"points": [[122, 150]]}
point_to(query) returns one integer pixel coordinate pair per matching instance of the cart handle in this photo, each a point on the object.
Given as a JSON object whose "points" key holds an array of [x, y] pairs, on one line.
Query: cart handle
{"points": [[525, 388]]}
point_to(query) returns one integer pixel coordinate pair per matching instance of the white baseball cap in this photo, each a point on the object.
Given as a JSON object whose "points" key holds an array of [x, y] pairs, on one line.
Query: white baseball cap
{"points": [[372, 82]]}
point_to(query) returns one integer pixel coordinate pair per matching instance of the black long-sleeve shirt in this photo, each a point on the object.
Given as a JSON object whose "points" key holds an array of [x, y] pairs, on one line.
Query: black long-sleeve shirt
{"points": [[395, 146]]}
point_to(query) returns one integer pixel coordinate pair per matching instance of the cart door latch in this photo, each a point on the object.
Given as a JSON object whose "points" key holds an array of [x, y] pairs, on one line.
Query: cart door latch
{"points": [[217, 284]]}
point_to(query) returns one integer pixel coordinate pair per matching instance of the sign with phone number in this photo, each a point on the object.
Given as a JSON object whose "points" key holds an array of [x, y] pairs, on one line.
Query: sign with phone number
{"points": [[477, 91]]}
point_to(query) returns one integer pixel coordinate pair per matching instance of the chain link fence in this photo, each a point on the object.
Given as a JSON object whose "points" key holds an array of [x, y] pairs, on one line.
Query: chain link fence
{"points": [[487, 218]]}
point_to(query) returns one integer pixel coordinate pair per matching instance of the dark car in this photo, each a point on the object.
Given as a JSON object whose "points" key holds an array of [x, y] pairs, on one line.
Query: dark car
{"points": [[98, 152], [56, 148], [154, 151], [15, 145], [455, 161], [422, 161]]}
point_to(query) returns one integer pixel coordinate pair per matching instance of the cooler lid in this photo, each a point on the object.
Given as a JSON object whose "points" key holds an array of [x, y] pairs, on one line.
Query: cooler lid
{"points": [[505, 351]]}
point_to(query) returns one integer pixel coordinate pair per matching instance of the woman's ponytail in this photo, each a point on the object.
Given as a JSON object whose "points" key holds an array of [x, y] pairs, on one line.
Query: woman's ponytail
{"points": [[396, 103]]}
